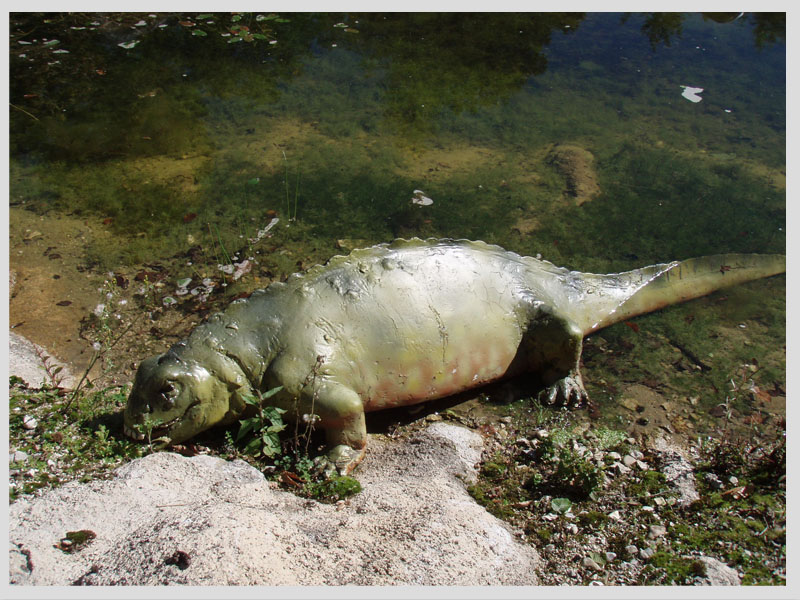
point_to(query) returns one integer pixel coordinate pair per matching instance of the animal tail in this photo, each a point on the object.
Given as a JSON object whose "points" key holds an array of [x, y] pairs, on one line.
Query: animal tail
{"points": [[609, 299]]}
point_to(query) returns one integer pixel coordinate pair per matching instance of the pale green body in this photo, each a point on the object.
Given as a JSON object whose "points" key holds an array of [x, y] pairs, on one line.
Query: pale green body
{"points": [[403, 323]]}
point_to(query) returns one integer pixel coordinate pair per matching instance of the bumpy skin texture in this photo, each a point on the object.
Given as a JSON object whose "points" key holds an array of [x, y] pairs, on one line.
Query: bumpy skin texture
{"points": [[402, 323]]}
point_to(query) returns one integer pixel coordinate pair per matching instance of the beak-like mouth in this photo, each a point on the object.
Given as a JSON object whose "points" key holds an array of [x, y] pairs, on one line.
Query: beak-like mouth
{"points": [[156, 432], [160, 430]]}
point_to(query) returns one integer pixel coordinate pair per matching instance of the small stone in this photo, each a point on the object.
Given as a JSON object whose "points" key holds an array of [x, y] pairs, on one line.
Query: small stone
{"points": [[632, 549], [506, 420], [643, 466], [628, 461], [713, 481], [591, 564], [543, 434], [647, 553], [432, 418], [733, 480], [611, 556], [620, 468], [572, 528], [659, 501], [615, 456], [615, 515], [656, 531], [17, 456], [29, 422]]}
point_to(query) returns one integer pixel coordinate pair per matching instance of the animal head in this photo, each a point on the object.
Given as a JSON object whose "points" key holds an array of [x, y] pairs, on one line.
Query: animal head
{"points": [[178, 398]]}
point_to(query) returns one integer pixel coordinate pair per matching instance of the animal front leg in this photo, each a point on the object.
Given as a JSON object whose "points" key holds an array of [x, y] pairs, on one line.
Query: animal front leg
{"points": [[342, 416]]}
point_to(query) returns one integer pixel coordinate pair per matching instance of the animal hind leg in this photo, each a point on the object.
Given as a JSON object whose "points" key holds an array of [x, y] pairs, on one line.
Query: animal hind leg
{"points": [[551, 347]]}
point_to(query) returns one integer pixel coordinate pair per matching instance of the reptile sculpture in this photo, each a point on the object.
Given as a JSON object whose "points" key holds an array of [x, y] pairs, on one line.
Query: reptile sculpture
{"points": [[401, 323]]}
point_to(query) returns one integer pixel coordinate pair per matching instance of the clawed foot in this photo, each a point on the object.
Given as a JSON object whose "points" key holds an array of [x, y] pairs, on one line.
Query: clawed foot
{"points": [[341, 459], [567, 392]]}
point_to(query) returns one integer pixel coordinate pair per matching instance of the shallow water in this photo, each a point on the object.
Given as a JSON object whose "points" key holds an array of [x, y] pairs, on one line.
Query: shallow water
{"points": [[565, 135]]}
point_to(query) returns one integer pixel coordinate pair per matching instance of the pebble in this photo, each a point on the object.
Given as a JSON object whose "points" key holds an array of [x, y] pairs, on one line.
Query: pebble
{"points": [[572, 528], [29, 422], [591, 564], [611, 556], [659, 501], [656, 531], [632, 549], [615, 515], [620, 468], [615, 456], [733, 480], [643, 466], [543, 434], [17, 456], [713, 481], [628, 461], [646, 553]]}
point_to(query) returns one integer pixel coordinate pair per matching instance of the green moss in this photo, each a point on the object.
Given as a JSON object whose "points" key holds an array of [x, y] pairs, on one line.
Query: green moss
{"points": [[338, 487], [649, 483], [593, 519]]}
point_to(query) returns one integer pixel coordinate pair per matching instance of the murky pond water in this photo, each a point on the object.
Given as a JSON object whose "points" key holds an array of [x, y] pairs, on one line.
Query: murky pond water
{"points": [[151, 149]]}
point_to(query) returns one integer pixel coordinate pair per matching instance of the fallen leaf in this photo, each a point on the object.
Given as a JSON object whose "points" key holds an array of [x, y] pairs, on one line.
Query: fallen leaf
{"points": [[291, 479], [64, 303]]}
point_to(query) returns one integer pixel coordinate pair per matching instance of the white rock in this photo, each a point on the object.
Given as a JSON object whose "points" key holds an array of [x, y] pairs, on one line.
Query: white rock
{"points": [[17, 456], [646, 553], [413, 524], [656, 531], [718, 573], [29, 422]]}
